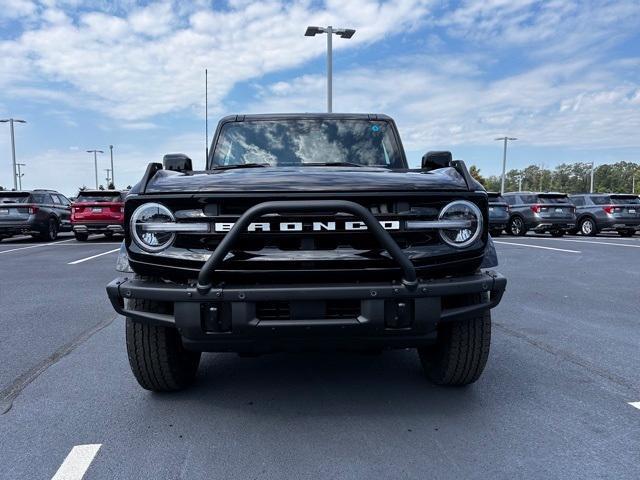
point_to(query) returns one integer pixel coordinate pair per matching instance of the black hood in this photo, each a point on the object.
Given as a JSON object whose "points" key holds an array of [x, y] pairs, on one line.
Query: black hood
{"points": [[306, 179]]}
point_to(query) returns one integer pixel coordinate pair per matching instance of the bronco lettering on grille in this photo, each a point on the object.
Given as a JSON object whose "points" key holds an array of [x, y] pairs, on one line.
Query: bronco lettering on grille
{"points": [[345, 226]]}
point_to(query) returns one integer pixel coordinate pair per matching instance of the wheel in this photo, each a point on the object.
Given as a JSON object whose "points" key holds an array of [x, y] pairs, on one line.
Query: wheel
{"points": [[556, 233], [516, 226], [626, 233], [108, 234], [81, 237], [587, 227], [157, 357], [496, 233], [460, 353], [52, 230]]}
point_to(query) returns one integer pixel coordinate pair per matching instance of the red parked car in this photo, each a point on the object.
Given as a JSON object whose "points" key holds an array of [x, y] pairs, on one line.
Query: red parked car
{"points": [[97, 211]]}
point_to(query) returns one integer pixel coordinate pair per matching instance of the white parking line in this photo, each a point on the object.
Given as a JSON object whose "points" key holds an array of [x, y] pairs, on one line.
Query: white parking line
{"points": [[75, 262], [635, 404], [537, 246], [590, 241], [35, 246], [77, 462]]}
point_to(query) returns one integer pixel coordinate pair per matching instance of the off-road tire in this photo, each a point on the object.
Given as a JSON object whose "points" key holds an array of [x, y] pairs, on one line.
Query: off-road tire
{"points": [[81, 237], [460, 353], [516, 227], [157, 357]]}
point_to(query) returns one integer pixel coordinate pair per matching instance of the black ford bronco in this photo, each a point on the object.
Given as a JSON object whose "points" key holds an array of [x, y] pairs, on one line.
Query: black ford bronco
{"points": [[306, 231]]}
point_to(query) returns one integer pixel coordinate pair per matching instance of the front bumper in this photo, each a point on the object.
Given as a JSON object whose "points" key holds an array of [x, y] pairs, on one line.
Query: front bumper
{"points": [[386, 314], [97, 228]]}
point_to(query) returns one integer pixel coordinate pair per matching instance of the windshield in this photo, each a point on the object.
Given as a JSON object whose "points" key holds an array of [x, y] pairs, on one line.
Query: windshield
{"points": [[98, 197], [13, 197], [298, 142]]}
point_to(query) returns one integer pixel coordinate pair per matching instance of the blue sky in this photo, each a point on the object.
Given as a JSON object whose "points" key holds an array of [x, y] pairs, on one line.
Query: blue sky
{"points": [[561, 75]]}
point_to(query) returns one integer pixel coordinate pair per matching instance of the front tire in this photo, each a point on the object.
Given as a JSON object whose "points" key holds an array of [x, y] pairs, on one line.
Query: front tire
{"points": [[157, 357], [516, 227], [460, 353]]}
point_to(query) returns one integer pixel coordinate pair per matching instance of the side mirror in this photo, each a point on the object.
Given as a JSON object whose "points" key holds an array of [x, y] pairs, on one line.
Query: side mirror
{"points": [[178, 162], [433, 160]]}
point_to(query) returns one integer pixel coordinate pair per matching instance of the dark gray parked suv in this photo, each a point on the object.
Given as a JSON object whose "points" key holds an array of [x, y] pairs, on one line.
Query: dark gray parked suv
{"points": [[39, 213], [540, 212], [498, 213], [607, 212]]}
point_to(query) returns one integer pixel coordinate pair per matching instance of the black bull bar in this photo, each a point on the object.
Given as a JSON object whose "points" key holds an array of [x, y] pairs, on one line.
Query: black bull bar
{"points": [[207, 272]]}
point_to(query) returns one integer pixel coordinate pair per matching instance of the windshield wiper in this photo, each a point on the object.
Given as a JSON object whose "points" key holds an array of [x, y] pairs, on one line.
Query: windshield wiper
{"points": [[240, 165], [333, 164]]}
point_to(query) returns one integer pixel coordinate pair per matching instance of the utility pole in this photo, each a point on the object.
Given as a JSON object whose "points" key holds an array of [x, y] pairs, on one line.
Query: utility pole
{"points": [[504, 159], [520, 177], [206, 117], [20, 174], [113, 177], [13, 147], [330, 31], [592, 175], [95, 162]]}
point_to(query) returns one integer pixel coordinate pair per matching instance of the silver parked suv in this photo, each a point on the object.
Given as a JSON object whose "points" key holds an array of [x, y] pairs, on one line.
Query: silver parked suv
{"points": [[540, 212], [597, 212]]}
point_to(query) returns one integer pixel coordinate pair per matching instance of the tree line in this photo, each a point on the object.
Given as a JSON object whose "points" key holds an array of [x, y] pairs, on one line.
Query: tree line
{"points": [[619, 177]]}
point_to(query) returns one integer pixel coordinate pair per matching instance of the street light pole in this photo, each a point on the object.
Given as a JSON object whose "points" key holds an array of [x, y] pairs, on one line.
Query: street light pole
{"points": [[20, 174], [592, 175], [504, 160], [13, 147], [113, 176], [95, 162], [330, 31], [108, 179]]}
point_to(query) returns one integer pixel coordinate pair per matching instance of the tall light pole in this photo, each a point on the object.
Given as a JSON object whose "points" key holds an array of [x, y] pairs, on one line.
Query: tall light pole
{"points": [[20, 174], [95, 162], [592, 175], [113, 177], [13, 147], [108, 179], [504, 159], [520, 178], [330, 31]]}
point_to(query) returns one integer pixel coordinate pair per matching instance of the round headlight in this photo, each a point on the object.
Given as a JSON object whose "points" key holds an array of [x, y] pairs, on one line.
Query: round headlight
{"points": [[468, 216], [147, 238]]}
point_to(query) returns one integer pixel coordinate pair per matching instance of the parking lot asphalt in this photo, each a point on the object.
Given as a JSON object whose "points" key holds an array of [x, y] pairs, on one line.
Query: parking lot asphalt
{"points": [[554, 401]]}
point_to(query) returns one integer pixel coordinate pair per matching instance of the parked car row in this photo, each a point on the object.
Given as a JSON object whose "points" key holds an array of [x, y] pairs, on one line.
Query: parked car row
{"points": [[559, 213], [44, 213]]}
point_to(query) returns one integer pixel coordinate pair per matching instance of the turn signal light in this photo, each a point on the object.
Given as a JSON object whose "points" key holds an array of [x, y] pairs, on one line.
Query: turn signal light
{"points": [[608, 209], [33, 210], [535, 208]]}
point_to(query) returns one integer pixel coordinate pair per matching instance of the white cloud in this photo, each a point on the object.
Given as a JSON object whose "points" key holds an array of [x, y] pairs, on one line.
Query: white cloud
{"points": [[15, 9], [151, 60], [561, 104]]}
